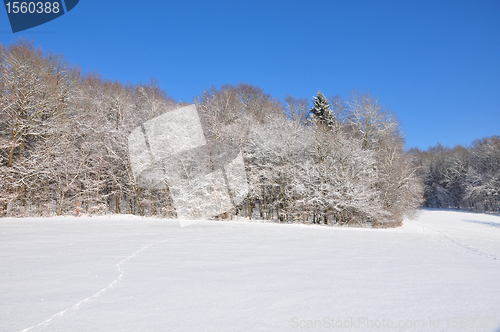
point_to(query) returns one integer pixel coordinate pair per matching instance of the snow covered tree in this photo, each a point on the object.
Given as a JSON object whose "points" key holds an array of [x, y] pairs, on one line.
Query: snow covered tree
{"points": [[297, 109], [462, 178], [37, 89], [321, 110], [64, 149], [482, 191], [372, 122]]}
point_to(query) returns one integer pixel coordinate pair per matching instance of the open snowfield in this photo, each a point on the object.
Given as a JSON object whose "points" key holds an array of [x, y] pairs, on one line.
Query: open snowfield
{"points": [[440, 272]]}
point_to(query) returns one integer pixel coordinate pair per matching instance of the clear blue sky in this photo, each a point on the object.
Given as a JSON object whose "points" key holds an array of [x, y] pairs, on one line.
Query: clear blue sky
{"points": [[435, 64]]}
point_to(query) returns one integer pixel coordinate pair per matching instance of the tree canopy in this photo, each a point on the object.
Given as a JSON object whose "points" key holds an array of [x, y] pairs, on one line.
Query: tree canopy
{"points": [[63, 147]]}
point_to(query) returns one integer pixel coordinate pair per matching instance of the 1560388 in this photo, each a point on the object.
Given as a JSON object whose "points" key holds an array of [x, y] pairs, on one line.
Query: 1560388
{"points": [[32, 7]]}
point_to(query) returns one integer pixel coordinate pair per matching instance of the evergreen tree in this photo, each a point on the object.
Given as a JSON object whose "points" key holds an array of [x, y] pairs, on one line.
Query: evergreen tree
{"points": [[322, 111]]}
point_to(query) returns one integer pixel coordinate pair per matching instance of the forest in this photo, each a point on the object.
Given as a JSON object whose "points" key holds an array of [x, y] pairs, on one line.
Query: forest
{"points": [[63, 150], [465, 178]]}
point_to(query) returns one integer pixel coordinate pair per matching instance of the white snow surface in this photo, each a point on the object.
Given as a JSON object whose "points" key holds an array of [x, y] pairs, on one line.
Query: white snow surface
{"points": [[439, 272]]}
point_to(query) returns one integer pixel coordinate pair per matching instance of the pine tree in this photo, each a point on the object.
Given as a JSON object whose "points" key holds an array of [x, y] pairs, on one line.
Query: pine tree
{"points": [[322, 111]]}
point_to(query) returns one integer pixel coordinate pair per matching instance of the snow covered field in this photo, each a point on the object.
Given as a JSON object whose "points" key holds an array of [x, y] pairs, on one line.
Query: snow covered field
{"points": [[440, 272]]}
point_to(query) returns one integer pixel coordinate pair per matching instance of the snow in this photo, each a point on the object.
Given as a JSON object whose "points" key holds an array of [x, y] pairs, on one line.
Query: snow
{"points": [[439, 272]]}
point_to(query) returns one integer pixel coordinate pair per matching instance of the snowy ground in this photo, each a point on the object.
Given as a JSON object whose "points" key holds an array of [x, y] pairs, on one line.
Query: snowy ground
{"points": [[440, 272]]}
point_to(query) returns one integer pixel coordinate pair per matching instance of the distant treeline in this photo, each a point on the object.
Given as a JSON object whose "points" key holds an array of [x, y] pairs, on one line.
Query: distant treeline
{"points": [[63, 147], [462, 178]]}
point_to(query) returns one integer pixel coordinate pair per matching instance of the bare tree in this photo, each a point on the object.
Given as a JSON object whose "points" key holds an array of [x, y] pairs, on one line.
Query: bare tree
{"points": [[64, 148], [297, 109], [36, 91]]}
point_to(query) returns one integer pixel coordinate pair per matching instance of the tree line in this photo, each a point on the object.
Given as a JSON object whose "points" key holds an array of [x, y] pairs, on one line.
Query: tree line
{"points": [[63, 147], [466, 178]]}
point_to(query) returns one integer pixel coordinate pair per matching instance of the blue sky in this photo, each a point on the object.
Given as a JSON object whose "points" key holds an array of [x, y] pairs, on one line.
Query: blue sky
{"points": [[435, 64]]}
